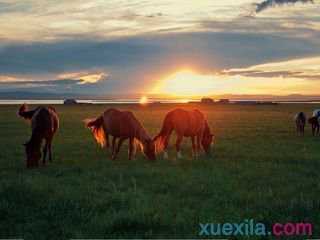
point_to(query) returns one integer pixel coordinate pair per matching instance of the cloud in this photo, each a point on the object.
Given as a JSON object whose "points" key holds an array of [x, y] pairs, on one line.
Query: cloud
{"points": [[270, 3], [303, 68]]}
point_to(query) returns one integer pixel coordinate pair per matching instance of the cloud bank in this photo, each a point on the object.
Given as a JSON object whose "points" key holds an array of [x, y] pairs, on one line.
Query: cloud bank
{"points": [[271, 3]]}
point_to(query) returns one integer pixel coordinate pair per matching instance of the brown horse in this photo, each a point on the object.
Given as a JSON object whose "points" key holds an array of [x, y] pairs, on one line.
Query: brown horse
{"points": [[123, 125], [300, 120], [314, 121], [186, 124], [44, 124]]}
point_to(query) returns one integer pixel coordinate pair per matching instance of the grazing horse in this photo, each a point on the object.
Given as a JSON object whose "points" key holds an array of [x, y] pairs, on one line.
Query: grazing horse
{"points": [[123, 125], [300, 119], [186, 124], [314, 121], [44, 124]]}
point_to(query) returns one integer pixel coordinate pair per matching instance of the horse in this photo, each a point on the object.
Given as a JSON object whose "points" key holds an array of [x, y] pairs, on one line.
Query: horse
{"points": [[44, 125], [121, 125], [314, 121], [300, 120], [185, 123], [316, 113]]}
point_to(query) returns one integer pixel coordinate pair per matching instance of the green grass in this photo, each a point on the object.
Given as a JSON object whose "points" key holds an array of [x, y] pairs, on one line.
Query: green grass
{"points": [[260, 170]]}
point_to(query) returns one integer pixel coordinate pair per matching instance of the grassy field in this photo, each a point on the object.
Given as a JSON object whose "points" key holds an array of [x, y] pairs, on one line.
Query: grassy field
{"points": [[260, 170]]}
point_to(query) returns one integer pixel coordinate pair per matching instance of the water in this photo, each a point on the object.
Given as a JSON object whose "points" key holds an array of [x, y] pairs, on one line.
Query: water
{"points": [[90, 101]]}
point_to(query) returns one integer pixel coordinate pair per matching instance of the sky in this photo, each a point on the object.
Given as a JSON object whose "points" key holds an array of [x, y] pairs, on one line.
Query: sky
{"points": [[167, 47]]}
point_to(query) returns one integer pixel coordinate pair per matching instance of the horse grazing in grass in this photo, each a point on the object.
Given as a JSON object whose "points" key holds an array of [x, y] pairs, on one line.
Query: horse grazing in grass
{"points": [[314, 121], [300, 119], [186, 124], [123, 125], [44, 124]]}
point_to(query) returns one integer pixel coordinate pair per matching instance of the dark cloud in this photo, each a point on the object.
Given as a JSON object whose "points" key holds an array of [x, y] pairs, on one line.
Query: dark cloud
{"points": [[270, 3], [138, 61]]}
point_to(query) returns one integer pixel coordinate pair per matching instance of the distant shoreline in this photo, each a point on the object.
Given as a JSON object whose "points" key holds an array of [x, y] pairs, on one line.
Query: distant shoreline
{"points": [[152, 101]]}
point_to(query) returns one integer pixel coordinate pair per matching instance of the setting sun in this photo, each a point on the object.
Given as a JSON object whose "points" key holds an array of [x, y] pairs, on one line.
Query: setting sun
{"points": [[187, 83], [143, 100]]}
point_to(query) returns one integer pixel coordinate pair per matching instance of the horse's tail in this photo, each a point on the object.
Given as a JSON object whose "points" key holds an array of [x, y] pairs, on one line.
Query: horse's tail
{"points": [[96, 127], [164, 133], [24, 113]]}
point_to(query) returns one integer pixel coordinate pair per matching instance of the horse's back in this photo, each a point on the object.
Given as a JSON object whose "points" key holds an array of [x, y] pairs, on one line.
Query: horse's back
{"points": [[187, 123], [45, 121], [300, 117], [120, 123]]}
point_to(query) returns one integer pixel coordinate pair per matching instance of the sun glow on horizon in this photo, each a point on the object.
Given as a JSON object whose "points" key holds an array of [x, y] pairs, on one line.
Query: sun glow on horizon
{"points": [[191, 84], [186, 83], [143, 100]]}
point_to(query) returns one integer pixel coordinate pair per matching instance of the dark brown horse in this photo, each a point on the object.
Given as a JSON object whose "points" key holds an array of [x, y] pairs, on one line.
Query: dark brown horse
{"points": [[44, 124], [121, 125], [300, 120], [191, 124], [314, 121]]}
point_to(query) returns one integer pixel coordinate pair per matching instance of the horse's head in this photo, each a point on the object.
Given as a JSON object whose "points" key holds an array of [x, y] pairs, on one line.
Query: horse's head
{"points": [[149, 149], [313, 121], [207, 141], [33, 154]]}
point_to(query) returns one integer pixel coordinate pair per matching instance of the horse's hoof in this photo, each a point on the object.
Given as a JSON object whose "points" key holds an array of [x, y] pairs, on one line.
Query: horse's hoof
{"points": [[165, 155], [179, 155]]}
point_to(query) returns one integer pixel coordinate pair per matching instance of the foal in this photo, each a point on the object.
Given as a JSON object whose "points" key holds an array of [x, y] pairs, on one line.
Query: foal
{"points": [[186, 124], [300, 119], [123, 125], [44, 124]]}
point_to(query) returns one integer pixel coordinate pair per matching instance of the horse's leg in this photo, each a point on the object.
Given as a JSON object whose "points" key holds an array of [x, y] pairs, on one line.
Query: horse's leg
{"points": [[165, 145], [198, 143], [121, 140], [194, 147], [131, 143], [45, 148], [107, 140], [178, 143], [50, 149], [113, 145]]}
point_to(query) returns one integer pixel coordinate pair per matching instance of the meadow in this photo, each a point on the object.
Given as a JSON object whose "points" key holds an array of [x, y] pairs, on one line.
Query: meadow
{"points": [[260, 170]]}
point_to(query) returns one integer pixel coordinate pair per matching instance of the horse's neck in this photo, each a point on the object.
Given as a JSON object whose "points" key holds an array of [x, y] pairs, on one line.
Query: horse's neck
{"points": [[206, 128], [142, 135]]}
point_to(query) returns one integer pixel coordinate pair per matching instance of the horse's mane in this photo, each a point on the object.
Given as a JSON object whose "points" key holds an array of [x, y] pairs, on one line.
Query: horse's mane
{"points": [[52, 109]]}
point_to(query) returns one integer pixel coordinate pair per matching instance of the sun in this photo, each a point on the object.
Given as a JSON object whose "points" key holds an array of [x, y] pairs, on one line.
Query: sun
{"points": [[187, 83], [144, 100]]}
